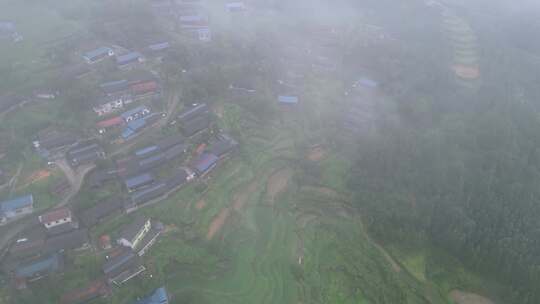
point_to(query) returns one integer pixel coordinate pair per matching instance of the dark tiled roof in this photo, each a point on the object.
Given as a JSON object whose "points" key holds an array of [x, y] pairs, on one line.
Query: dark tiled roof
{"points": [[195, 125], [130, 230], [67, 241], [94, 215]]}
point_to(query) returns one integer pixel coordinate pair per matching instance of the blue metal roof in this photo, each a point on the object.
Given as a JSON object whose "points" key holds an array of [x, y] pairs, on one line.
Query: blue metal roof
{"points": [[149, 193], [97, 52], [159, 46], [147, 150], [152, 159], [139, 180], [159, 296], [136, 124], [127, 58], [50, 264], [131, 112], [17, 203], [205, 162], [288, 99], [117, 262], [366, 82], [127, 133]]}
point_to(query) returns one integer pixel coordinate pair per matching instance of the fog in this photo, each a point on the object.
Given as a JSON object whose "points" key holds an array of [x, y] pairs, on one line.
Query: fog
{"points": [[269, 151]]}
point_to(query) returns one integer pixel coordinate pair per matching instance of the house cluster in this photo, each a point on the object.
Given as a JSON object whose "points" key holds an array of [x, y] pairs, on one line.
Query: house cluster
{"points": [[133, 241], [118, 94], [39, 250], [122, 94], [54, 145], [190, 15]]}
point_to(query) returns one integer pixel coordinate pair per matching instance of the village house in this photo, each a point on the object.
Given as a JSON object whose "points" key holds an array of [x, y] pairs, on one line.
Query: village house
{"points": [[193, 111], [56, 217], [137, 182], [27, 244], [134, 127], [136, 113], [132, 233], [115, 87], [205, 163], [141, 197], [74, 240], [85, 153], [110, 103], [37, 269], [144, 89], [158, 47], [180, 178], [108, 124], [94, 290], [127, 60], [159, 296], [122, 266], [195, 125], [223, 145], [287, 100], [101, 211], [98, 54], [16, 207], [98, 178], [51, 144]]}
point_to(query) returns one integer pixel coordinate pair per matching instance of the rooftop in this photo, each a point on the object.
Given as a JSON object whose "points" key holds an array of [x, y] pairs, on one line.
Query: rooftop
{"points": [[159, 296], [42, 266], [205, 162], [130, 230], [139, 180], [97, 52], [55, 215], [133, 111], [127, 58], [288, 99], [17, 203]]}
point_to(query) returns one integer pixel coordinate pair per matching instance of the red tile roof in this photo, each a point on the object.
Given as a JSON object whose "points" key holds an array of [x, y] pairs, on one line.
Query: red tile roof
{"points": [[115, 121], [144, 87], [55, 215]]}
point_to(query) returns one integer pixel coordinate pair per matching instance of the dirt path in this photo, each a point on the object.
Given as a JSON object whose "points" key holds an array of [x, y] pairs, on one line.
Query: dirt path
{"points": [[74, 177], [386, 255], [277, 183], [461, 297]]}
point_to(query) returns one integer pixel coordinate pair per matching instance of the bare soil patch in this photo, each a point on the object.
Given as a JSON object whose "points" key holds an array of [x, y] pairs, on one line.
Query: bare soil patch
{"points": [[239, 201], [278, 182], [462, 297], [200, 204], [316, 154], [217, 223]]}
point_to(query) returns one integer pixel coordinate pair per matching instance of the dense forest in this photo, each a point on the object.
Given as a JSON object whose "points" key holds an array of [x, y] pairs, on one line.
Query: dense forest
{"points": [[461, 169]]}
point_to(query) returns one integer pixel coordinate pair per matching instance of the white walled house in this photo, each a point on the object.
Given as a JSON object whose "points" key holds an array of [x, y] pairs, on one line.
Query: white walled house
{"points": [[56, 218]]}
